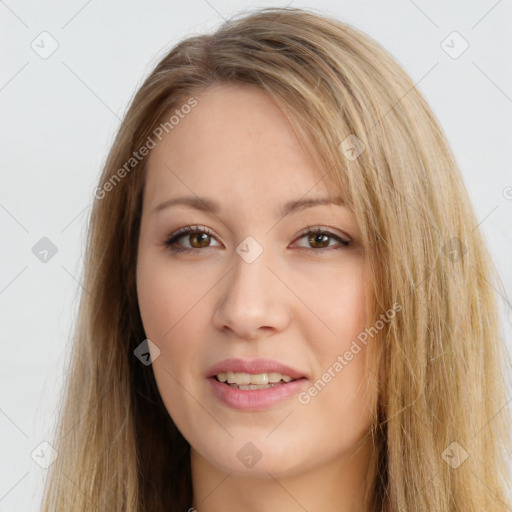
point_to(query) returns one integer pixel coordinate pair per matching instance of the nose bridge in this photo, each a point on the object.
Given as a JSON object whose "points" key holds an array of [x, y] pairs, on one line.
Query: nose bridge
{"points": [[250, 269], [253, 296]]}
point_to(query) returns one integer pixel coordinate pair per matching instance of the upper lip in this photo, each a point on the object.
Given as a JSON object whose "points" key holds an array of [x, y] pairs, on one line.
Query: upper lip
{"points": [[253, 366]]}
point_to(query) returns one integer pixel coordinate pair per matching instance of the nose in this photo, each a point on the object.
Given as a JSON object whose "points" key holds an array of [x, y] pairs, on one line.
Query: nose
{"points": [[253, 301]]}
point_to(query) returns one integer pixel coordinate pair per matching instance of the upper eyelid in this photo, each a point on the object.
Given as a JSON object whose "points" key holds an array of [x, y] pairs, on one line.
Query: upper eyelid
{"points": [[325, 229]]}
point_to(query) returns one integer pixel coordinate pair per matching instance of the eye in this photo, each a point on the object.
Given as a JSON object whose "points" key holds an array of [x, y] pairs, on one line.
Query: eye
{"points": [[198, 238], [319, 238]]}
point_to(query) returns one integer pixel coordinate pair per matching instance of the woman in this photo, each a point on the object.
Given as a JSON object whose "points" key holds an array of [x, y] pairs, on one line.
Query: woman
{"points": [[289, 306]]}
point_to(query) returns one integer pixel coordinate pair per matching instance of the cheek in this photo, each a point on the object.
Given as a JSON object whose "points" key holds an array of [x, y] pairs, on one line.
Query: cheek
{"points": [[338, 395], [173, 315], [166, 318], [337, 296], [165, 297]]}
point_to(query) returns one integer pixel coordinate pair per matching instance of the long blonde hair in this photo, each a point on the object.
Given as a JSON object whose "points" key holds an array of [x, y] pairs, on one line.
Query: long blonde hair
{"points": [[441, 432]]}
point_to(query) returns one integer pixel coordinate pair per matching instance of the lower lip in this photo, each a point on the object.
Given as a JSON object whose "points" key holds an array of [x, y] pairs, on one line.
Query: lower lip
{"points": [[254, 399]]}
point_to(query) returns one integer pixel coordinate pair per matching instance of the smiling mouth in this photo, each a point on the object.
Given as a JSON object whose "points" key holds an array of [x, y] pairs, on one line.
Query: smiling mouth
{"points": [[249, 382]]}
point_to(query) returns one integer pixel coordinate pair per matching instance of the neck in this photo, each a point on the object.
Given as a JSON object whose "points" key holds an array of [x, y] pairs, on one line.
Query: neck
{"points": [[338, 485]]}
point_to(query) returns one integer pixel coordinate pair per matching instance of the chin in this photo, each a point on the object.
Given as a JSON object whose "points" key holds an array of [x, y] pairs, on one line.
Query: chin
{"points": [[258, 459]]}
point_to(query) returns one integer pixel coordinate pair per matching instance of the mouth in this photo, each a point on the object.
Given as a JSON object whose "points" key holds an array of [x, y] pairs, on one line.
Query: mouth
{"points": [[254, 385]]}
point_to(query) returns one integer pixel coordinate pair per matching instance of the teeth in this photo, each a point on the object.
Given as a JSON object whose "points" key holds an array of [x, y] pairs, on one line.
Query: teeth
{"points": [[276, 377], [261, 380]]}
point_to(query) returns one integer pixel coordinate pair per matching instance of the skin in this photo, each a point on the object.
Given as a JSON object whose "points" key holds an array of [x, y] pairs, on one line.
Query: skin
{"points": [[297, 306]]}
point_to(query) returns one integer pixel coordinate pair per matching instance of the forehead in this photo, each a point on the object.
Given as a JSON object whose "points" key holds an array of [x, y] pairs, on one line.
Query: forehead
{"points": [[237, 142]]}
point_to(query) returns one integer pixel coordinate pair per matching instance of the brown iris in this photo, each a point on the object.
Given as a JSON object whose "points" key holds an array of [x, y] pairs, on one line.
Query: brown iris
{"points": [[202, 237], [319, 238]]}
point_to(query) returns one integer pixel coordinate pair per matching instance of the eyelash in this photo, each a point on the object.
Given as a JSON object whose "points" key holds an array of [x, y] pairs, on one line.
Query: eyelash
{"points": [[188, 230]]}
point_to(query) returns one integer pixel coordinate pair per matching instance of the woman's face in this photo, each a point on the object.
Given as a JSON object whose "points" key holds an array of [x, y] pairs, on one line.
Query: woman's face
{"points": [[255, 299]]}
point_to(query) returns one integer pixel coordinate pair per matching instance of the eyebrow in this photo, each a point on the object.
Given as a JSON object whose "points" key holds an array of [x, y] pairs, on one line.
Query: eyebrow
{"points": [[209, 205]]}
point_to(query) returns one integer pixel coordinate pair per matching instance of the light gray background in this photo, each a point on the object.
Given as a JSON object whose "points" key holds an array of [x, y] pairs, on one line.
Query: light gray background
{"points": [[59, 116]]}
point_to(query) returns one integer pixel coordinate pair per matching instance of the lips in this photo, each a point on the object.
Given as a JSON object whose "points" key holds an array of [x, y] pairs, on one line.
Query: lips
{"points": [[248, 398]]}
